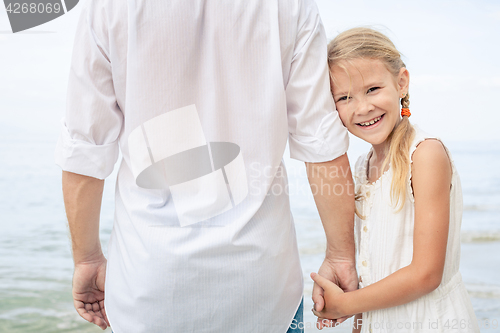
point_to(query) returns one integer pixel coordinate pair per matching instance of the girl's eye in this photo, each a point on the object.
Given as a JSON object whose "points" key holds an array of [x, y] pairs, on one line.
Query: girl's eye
{"points": [[343, 98], [372, 89]]}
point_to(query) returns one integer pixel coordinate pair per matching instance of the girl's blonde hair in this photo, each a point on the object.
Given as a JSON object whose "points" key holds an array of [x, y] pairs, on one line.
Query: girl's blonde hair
{"points": [[368, 43]]}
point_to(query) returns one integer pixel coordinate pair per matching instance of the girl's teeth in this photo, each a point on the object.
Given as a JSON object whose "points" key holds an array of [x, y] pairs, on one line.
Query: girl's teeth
{"points": [[371, 122]]}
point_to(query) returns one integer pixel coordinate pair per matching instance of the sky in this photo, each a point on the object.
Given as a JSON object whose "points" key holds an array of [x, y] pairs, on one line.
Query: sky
{"points": [[451, 49]]}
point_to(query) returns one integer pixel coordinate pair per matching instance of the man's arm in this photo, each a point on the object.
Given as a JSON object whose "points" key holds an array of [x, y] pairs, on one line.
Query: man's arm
{"points": [[332, 186], [82, 199]]}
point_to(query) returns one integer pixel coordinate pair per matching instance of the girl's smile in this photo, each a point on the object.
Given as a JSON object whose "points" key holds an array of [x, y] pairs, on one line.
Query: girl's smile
{"points": [[370, 123]]}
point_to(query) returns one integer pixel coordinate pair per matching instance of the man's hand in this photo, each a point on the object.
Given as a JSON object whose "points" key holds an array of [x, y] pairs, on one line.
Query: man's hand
{"points": [[341, 273], [88, 291]]}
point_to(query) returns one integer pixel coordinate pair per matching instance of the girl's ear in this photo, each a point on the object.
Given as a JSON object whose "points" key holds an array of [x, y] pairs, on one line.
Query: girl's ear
{"points": [[403, 80]]}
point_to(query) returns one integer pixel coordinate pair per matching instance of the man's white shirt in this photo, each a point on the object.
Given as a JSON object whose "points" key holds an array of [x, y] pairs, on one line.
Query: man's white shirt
{"points": [[200, 97]]}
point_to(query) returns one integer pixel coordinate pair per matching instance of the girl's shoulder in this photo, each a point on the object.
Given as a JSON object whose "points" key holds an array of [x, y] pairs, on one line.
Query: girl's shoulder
{"points": [[425, 147], [429, 158], [429, 154]]}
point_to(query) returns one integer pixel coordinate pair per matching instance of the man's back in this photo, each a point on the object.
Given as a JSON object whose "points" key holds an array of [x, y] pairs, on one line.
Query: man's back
{"points": [[201, 97]]}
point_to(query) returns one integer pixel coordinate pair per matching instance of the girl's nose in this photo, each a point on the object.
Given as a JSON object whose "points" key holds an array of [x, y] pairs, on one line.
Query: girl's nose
{"points": [[364, 107]]}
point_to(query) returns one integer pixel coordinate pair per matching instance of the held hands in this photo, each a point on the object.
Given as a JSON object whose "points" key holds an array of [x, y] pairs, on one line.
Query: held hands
{"points": [[88, 291], [333, 278], [332, 297]]}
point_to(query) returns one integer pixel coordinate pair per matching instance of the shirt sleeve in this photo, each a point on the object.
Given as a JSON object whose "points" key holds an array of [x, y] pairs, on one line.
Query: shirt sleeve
{"points": [[88, 143], [316, 133]]}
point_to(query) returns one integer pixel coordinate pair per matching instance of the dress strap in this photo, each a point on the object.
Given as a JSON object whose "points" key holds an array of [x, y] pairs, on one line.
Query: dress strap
{"points": [[360, 169]]}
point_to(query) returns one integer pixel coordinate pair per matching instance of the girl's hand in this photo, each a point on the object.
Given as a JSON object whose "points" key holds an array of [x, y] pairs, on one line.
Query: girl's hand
{"points": [[343, 274], [332, 297]]}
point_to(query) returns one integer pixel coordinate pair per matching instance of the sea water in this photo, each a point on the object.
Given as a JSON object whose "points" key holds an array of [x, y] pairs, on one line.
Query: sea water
{"points": [[35, 256]]}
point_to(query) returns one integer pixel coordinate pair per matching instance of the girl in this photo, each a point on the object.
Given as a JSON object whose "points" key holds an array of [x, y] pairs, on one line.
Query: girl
{"points": [[408, 201]]}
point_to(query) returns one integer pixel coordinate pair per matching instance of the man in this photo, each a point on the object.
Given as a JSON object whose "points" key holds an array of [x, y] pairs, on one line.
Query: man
{"points": [[200, 97]]}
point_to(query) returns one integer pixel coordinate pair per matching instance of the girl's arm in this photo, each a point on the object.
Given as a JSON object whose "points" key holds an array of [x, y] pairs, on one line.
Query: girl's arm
{"points": [[431, 179]]}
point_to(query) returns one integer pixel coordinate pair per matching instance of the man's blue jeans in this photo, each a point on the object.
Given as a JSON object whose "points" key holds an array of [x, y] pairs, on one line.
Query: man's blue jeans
{"points": [[297, 325]]}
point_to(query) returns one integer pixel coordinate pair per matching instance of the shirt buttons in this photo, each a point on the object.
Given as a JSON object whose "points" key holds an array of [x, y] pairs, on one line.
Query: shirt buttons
{"points": [[365, 228], [367, 193], [364, 263]]}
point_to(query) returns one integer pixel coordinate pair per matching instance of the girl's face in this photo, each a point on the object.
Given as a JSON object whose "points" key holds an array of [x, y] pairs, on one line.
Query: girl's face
{"points": [[367, 97]]}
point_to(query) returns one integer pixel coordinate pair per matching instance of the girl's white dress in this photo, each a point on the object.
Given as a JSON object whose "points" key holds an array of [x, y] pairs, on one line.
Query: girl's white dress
{"points": [[384, 242]]}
